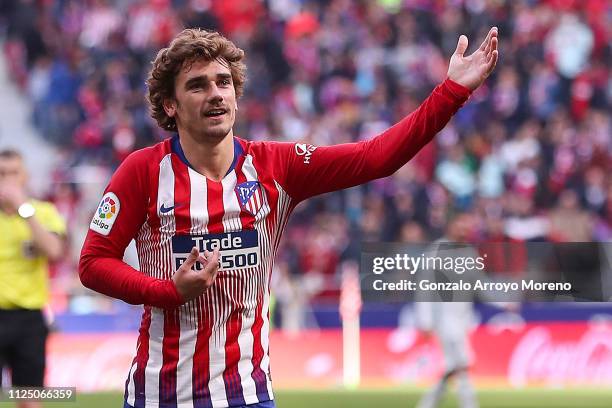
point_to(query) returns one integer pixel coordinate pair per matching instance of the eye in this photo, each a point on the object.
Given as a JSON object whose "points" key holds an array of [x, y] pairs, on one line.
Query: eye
{"points": [[225, 82]]}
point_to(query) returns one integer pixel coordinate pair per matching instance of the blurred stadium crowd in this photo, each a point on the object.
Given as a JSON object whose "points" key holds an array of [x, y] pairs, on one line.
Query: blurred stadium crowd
{"points": [[528, 157]]}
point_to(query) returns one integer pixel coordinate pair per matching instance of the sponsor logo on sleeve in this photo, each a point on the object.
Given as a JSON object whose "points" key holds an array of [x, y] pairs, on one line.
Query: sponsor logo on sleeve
{"points": [[106, 214], [302, 149], [238, 250]]}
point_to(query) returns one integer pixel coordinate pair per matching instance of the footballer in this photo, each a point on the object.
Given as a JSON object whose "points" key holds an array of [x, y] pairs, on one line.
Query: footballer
{"points": [[207, 210]]}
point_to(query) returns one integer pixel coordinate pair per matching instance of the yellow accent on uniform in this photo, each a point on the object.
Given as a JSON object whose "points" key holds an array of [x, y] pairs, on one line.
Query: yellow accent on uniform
{"points": [[23, 272]]}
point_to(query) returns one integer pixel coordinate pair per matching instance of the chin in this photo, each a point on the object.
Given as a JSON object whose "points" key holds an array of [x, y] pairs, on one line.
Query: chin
{"points": [[217, 133]]}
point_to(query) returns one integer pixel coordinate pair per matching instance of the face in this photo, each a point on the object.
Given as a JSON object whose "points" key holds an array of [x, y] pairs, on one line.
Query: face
{"points": [[12, 172], [460, 228], [204, 105]]}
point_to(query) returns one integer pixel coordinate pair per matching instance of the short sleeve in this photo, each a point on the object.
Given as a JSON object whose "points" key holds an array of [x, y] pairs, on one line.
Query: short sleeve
{"points": [[50, 218]]}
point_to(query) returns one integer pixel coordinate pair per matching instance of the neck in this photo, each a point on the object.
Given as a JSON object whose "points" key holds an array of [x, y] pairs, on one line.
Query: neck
{"points": [[210, 158]]}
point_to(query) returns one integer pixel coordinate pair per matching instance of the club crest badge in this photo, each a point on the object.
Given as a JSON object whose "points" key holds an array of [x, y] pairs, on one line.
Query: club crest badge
{"points": [[250, 196]]}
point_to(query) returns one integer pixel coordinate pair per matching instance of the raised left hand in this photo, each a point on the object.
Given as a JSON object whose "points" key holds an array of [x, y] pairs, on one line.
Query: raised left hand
{"points": [[471, 71]]}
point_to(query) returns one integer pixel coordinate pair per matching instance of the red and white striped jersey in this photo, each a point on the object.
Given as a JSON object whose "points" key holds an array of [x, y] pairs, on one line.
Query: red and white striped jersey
{"points": [[213, 351]]}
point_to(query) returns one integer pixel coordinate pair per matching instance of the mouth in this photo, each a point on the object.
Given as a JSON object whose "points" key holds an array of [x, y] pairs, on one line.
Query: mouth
{"points": [[214, 113]]}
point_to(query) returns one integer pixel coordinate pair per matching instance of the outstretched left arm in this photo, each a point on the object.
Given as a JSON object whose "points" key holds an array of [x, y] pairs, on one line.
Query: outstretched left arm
{"points": [[310, 171]]}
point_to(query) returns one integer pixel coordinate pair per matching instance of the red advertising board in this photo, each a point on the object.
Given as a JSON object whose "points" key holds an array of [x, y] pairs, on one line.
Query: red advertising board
{"points": [[553, 354]]}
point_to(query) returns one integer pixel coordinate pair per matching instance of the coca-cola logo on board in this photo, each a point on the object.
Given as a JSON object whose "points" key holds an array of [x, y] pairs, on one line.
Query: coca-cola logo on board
{"points": [[538, 358]]}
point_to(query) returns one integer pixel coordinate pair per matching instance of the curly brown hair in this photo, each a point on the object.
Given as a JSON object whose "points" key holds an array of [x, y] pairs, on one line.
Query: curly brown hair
{"points": [[188, 46]]}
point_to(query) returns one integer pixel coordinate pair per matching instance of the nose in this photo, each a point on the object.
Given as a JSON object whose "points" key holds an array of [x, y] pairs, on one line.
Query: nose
{"points": [[215, 95]]}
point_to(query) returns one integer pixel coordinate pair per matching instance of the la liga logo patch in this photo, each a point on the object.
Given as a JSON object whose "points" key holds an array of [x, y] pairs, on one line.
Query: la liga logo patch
{"points": [[107, 208], [106, 214]]}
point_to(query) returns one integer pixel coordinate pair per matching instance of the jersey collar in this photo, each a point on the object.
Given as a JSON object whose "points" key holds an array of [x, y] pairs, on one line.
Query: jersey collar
{"points": [[178, 150]]}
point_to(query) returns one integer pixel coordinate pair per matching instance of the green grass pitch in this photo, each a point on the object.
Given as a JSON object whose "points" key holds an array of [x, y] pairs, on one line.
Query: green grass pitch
{"points": [[392, 398]]}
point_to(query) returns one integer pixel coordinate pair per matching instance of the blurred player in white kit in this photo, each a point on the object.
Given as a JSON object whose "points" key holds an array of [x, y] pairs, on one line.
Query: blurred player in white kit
{"points": [[451, 323]]}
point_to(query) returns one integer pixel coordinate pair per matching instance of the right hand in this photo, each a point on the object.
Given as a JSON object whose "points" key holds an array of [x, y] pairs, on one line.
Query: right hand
{"points": [[192, 283], [12, 195]]}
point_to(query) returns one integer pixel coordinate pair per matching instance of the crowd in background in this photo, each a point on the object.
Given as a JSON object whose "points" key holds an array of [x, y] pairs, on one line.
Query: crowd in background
{"points": [[528, 156]]}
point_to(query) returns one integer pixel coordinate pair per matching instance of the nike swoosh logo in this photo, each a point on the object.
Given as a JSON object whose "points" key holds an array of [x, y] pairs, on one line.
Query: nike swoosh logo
{"points": [[164, 210]]}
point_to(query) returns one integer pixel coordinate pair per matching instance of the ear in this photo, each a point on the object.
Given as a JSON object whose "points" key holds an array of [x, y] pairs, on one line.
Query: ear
{"points": [[236, 106], [170, 107]]}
